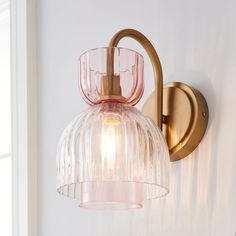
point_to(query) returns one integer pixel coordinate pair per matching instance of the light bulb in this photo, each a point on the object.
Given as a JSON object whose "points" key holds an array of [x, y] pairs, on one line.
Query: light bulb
{"points": [[110, 142]]}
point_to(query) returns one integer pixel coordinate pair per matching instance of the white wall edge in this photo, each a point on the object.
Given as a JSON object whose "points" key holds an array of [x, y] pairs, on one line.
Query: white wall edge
{"points": [[24, 113]]}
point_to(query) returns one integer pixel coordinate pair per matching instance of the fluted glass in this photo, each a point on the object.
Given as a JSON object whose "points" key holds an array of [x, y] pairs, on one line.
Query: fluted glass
{"points": [[112, 156], [128, 65]]}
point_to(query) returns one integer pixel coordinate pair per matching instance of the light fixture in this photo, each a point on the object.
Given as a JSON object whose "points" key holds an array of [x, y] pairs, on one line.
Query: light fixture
{"points": [[112, 155]]}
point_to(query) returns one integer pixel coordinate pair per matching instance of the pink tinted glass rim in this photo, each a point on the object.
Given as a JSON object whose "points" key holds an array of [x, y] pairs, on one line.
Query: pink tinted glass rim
{"points": [[128, 64]]}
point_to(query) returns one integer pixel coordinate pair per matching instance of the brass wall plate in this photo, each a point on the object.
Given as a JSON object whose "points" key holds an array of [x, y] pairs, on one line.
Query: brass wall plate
{"points": [[187, 117]]}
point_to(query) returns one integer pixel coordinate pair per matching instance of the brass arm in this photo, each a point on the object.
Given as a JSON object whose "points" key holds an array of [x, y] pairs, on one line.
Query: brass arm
{"points": [[155, 64]]}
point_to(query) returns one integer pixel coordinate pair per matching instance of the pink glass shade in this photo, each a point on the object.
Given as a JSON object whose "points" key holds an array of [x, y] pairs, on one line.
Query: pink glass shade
{"points": [[112, 156], [127, 68]]}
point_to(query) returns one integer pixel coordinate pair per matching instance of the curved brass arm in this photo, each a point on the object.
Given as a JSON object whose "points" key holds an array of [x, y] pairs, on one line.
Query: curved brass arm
{"points": [[155, 64]]}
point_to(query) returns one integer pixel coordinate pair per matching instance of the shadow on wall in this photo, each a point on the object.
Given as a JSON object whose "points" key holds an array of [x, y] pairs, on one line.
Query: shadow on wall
{"points": [[202, 186]]}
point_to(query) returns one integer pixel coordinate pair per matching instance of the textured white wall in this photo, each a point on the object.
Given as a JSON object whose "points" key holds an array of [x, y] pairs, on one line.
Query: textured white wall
{"points": [[196, 42]]}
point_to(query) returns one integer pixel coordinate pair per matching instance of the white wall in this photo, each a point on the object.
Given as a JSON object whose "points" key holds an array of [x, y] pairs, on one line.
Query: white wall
{"points": [[196, 41]]}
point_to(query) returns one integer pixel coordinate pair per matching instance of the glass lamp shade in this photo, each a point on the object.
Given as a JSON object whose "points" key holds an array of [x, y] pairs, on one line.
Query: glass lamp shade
{"points": [[94, 72], [112, 156]]}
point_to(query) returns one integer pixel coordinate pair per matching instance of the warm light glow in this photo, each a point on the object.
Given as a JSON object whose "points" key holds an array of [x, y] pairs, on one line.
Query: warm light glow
{"points": [[109, 143]]}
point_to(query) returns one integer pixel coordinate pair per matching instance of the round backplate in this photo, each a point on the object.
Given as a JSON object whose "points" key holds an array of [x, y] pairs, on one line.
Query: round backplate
{"points": [[186, 117]]}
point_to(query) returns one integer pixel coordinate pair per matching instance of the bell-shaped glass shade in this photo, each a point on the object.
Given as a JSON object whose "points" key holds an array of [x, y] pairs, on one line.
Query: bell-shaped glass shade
{"points": [[112, 156]]}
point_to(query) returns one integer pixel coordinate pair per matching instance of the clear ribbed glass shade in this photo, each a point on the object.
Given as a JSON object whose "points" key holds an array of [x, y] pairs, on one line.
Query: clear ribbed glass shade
{"points": [[112, 156]]}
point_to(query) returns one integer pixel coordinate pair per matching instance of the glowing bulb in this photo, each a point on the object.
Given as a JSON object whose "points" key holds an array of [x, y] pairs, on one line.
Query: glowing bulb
{"points": [[110, 142]]}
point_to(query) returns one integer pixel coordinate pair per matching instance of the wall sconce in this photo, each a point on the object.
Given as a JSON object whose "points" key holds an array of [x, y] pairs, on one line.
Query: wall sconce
{"points": [[114, 156]]}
